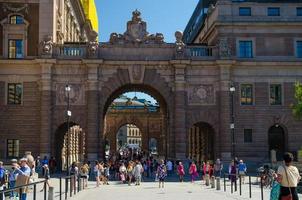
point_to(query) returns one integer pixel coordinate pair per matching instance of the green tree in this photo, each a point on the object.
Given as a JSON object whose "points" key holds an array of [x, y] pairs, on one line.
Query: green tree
{"points": [[297, 107]]}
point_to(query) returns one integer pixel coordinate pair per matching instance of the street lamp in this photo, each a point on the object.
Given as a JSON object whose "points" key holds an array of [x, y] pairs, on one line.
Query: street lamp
{"points": [[68, 114], [232, 123]]}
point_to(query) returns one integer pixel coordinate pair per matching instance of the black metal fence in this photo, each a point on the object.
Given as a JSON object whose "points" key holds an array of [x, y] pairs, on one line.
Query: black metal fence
{"points": [[22, 189], [73, 185]]}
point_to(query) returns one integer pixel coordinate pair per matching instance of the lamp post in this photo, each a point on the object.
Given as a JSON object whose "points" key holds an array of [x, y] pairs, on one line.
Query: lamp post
{"points": [[232, 123], [68, 114]]}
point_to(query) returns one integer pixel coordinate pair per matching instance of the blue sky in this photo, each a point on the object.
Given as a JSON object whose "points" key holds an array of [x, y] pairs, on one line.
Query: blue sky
{"points": [[162, 16]]}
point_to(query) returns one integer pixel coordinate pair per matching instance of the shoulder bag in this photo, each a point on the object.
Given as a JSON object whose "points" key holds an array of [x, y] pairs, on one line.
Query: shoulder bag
{"points": [[290, 196]]}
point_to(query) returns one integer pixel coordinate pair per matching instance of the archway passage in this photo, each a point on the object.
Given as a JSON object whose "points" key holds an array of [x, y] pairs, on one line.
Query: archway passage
{"points": [[201, 142], [69, 143], [277, 141], [140, 106]]}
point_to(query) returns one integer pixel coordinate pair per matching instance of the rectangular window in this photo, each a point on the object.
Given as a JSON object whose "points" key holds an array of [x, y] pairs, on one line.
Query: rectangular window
{"points": [[248, 135], [14, 93], [299, 11], [13, 148], [245, 49], [275, 94], [299, 49], [15, 48], [245, 11], [273, 11], [246, 95]]}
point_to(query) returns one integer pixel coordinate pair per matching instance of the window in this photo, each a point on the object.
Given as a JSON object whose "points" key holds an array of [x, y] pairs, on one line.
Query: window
{"points": [[273, 12], [275, 94], [299, 11], [14, 93], [16, 19], [245, 11], [15, 48], [248, 135], [245, 49], [246, 97], [12, 148], [299, 49]]}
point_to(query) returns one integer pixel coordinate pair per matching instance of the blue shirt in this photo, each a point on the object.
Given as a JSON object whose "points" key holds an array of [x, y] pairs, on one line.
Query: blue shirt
{"points": [[242, 167], [24, 170], [2, 173]]}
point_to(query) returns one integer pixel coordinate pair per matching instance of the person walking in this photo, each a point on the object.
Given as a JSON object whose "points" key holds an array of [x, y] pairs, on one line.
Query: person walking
{"points": [[123, 172], [46, 176], [288, 177], [96, 172], [180, 171], [232, 172], [218, 167], [242, 169], [12, 178], [130, 172], [74, 173], [161, 173], [169, 167], [52, 165], [137, 172], [193, 171], [85, 173]]}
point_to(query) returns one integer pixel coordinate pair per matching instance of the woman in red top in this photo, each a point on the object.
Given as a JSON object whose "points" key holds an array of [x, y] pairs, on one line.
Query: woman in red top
{"points": [[193, 172], [181, 172]]}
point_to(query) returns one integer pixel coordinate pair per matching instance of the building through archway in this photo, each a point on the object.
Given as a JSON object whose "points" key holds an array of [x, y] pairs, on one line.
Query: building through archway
{"points": [[136, 118], [201, 142]]}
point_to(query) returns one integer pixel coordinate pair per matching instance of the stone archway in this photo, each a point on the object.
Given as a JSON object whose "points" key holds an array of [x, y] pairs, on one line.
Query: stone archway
{"points": [[152, 84], [75, 138], [201, 142], [277, 140]]}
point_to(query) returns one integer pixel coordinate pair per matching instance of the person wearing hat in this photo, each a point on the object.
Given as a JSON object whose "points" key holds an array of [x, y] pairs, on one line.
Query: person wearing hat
{"points": [[24, 172], [12, 178]]}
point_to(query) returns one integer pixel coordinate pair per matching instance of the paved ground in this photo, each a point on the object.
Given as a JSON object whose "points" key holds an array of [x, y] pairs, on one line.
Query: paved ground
{"points": [[149, 191]]}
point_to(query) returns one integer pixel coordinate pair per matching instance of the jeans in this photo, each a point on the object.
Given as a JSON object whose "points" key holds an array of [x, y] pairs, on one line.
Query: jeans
{"points": [[12, 184], [23, 196]]}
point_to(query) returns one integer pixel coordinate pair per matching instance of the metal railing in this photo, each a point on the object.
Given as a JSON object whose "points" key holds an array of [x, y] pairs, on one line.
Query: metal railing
{"points": [[20, 189], [70, 51], [73, 185]]}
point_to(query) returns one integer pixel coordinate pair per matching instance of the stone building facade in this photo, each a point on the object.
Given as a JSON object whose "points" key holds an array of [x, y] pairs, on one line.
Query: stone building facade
{"points": [[257, 55]]}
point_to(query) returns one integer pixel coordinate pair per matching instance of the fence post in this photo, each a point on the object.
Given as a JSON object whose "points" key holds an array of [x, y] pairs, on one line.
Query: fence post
{"points": [[218, 183], [235, 182], [224, 186], [60, 188], [35, 192], [71, 187], [20, 193], [66, 188], [232, 183], [261, 185], [79, 183], [51, 193], [45, 189], [212, 182], [240, 185], [250, 186]]}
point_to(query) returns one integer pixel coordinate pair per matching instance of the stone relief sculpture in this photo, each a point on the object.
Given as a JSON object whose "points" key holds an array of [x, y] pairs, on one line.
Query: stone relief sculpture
{"points": [[201, 95], [180, 45], [136, 33], [136, 73], [76, 95], [224, 48], [7, 7], [47, 45], [93, 45]]}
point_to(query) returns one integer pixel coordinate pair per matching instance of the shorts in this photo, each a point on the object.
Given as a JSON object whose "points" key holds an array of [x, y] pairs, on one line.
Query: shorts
{"points": [[161, 179]]}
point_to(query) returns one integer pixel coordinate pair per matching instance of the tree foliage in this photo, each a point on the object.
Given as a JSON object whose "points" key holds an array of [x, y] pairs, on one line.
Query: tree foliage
{"points": [[297, 107]]}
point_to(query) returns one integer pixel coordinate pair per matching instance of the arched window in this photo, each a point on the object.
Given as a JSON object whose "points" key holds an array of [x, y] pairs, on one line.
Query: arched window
{"points": [[16, 19]]}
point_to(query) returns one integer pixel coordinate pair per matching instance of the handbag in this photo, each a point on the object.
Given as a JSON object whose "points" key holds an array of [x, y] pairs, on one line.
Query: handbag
{"points": [[290, 196], [275, 191]]}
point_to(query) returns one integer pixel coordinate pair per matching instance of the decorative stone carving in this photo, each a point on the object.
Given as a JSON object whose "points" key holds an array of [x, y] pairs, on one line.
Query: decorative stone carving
{"points": [[136, 73], [76, 95], [7, 7], [201, 95], [180, 45], [47, 45], [93, 45], [224, 48], [136, 33]]}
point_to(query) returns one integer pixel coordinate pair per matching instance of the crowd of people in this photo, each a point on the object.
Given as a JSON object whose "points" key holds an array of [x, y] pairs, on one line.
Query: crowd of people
{"points": [[133, 169]]}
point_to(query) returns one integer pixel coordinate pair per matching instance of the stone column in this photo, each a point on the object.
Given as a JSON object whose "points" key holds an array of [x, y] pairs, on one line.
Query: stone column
{"points": [[92, 134], [225, 147], [46, 107], [180, 112]]}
